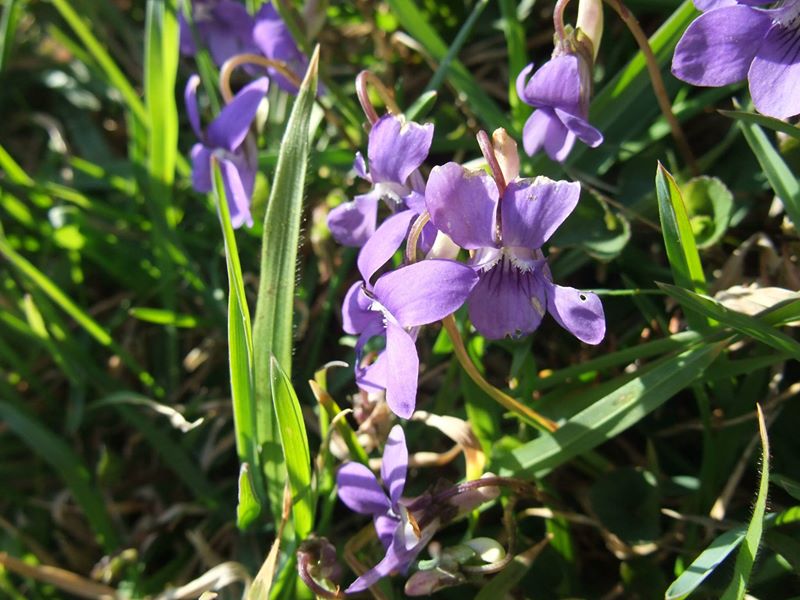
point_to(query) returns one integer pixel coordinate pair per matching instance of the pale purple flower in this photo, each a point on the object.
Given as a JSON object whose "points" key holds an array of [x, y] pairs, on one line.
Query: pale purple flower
{"points": [[733, 41], [505, 234], [227, 140], [224, 27], [361, 492], [396, 149], [401, 300], [275, 41], [560, 91]]}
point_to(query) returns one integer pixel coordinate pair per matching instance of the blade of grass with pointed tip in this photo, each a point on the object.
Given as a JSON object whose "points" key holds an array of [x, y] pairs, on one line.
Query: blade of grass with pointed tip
{"points": [[68, 466], [296, 454], [272, 328], [750, 326], [763, 121], [240, 357], [781, 179], [610, 415], [415, 22], [684, 259], [752, 539], [8, 28]]}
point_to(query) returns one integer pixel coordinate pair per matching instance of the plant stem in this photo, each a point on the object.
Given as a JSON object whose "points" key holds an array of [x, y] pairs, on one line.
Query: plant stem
{"points": [[504, 399], [657, 82]]}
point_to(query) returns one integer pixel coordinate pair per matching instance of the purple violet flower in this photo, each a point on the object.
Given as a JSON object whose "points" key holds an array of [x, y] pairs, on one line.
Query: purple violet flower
{"points": [[733, 40], [272, 37], [560, 91], [396, 149], [224, 26], [506, 232], [227, 140], [361, 492], [401, 300]]}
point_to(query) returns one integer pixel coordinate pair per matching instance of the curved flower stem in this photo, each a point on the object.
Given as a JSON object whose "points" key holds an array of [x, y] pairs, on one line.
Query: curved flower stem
{"points": [[656, 80], [413, 236], [487, 149], [281, 67], [251, 59], [558, 19], [449, 323], [507, 401], [366, 78]]}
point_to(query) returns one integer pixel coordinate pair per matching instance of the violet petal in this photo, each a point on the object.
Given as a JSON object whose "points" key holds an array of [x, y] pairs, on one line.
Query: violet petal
{"points": [[360, 490], [585, 132], [230, 127], [580, 313], [426, 291], [557, 83], [190, 100], [353, 223], [507, 302], [534, 209], [384, 243], [394, 465], [718, 47], [402, 371], [238, 198], [356, 315], [775, 73], [397, 148], [201, 168], [463, 205]]}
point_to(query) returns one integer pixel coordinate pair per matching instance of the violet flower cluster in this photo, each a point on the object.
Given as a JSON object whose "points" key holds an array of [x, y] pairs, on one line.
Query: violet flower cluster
{"points": [[734, 40], [228, 30], [502, 221]]}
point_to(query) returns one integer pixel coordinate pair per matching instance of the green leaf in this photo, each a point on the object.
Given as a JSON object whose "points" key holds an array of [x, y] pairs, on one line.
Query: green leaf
{"points": [[296, 454], [750, 326], [517, 58], [272, 329], [780, 177], [610, 415], [684, 260], [752, 539], [8, 28], [68, 467], [709, 203], [415, 22]]}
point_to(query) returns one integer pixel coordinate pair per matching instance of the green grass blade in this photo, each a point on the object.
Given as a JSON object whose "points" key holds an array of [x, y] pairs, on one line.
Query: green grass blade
{"points": [[739, 322], [68, 466], [414, 21], [8, 28], [517, 58], [705, 564], [240, 357], [780, 177], [160, 316], [110, 68], [763, 121], [752, 539], [92, 327], [610, 415], [296, 454], [272, 329], [684, 259]]}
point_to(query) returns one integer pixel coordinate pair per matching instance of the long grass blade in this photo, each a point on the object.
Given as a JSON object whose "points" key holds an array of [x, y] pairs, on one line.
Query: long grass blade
{"points": [[272, 329]]}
